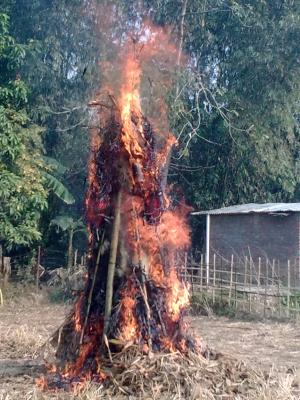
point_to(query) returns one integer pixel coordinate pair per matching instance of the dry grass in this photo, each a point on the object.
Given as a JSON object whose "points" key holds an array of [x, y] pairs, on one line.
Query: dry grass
{"points": [[177, 377], [259, 343], [27, 321], [22, 341], [21, 295]]}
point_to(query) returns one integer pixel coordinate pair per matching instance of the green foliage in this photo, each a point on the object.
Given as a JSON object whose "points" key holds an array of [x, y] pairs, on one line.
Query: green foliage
{"points": [[71, 226], [58, 188], [22, 192], [293, 302], [234, 108], [59, 295], [66, 223], [237, 116], [204, 304]]}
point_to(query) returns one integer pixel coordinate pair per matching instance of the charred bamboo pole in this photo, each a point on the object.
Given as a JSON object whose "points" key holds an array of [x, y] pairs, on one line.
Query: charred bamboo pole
{"points": [[92, 289], [112, 262], [142, 284]]}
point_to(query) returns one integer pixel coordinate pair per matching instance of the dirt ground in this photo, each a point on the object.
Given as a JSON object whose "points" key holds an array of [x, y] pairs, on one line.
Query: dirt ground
{"points": [[25, 326], [261, 344]]}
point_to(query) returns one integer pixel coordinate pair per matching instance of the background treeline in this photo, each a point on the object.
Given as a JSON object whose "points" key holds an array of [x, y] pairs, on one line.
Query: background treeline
{"points": [[234, 107]]}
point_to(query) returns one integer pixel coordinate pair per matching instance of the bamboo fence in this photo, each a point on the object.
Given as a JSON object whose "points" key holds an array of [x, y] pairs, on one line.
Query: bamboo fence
{"points": [[266, 287]]}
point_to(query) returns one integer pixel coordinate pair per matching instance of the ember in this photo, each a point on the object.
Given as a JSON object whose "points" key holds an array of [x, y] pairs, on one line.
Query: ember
{"points": [[133, 295]]}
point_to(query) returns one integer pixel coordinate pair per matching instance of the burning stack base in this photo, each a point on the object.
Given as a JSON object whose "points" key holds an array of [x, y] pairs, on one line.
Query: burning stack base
{"points": [[164, 376]]}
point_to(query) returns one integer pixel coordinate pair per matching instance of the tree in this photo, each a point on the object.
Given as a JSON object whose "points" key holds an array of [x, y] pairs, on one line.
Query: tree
{"points": [[22, 192], [234, 107], [61, 68], [68, 224], [236, 118]]}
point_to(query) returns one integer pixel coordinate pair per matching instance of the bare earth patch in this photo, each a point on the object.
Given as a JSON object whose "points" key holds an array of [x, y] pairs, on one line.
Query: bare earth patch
{"points": [[260, 344], [26, 325]]}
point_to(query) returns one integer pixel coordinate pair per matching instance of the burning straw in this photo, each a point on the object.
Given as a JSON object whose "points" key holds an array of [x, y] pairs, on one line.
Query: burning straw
{"points": [[133, 295]]}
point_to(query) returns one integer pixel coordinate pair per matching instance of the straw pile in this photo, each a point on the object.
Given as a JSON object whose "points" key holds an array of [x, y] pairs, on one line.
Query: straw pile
{"points": [[175, 376]]}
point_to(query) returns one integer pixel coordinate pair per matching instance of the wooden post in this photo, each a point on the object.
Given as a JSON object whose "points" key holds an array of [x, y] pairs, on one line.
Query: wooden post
{"points": [[75, 258], [221, 281], [245, 273], [192, 279], [235, 287], [207, 259], [1, 258], [259, 273], [214, 279], [201, 272], [289, 288], [250, 283], [266, 287], [1, 271], [231, 279], [185, 267], [70, 250], [38, 268], [273, 271], [299, 270], [112, 262]]}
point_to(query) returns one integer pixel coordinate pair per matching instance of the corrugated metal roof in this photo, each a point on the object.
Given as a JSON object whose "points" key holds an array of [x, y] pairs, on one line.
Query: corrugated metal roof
{"points": [[253, 208]]}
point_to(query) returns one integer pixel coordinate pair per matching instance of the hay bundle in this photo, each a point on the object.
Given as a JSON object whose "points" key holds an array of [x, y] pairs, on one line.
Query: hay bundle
{"points": [[177, 376]]}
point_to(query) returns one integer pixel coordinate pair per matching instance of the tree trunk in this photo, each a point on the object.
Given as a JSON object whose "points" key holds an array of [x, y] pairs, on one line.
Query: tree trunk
{"points": [[70, 249]]}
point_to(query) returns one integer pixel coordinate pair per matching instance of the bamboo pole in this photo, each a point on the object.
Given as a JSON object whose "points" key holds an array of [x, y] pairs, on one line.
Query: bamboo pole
{"points": [[207, 254], [185, 267], [142, 280], [112, 262], [245, 280], [87, 314], [278, 286], [1, 258], [273, 271], [37, 277], [266, 289], [235, 287], [289, 288], [250, 283], [192, 279], [299, 269], [231, 278], [214, 279], [1, 269], [201, 272], [259, 273], [75, 258]]}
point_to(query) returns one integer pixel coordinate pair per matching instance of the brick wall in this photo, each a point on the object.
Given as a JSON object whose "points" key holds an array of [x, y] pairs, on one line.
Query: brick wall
{"points": [[261, 235]]}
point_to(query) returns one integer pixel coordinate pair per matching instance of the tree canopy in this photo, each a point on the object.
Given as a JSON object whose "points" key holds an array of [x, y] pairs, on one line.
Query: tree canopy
{"points": [[22, 193], [234, 105]]}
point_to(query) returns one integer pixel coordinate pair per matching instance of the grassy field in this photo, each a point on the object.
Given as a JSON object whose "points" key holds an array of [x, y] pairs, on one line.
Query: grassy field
{"points": [[269, 351]]}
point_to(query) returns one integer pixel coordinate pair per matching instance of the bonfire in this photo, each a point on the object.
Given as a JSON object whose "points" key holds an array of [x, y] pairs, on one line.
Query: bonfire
{"points": [[133, 296]]}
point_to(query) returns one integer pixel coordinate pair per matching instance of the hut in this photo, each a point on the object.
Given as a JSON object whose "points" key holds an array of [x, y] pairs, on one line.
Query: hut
{"points": [[270, 230]]}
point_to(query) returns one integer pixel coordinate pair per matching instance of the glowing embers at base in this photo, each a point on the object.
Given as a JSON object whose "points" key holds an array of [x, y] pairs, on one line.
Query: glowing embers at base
{"points": [[87, 365], [128, 324]]}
